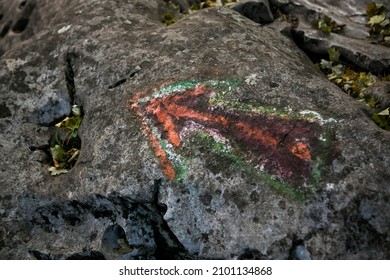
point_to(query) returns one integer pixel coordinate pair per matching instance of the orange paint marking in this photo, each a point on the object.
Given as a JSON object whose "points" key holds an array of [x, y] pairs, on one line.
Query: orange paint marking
{"points": [[166, 165], [257, 134], [164, 118], [301, 150], [179, 111]]}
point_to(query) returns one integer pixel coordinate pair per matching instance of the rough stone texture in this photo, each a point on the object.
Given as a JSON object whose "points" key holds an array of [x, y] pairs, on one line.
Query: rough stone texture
{"points": [[21, 19], [259, 157], [352, 42], [256, 10]]}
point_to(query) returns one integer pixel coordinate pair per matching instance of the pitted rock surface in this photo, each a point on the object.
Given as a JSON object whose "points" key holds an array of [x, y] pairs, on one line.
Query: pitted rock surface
{"points": [[182, 135]]}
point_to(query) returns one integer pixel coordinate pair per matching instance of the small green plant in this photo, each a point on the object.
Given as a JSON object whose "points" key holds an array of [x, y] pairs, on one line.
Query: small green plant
{"points": [[65, 147], [354, 83], [168, 19], [351, 81], [327, 25], [379, 23], [382, 119]]}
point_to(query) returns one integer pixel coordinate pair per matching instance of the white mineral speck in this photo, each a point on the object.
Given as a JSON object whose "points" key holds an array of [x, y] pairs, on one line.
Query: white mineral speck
{"points": [[64, 29], [329, 186]]}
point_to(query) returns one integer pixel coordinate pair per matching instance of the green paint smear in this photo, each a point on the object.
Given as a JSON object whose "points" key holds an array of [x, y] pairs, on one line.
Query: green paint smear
{"points": [[220, 148], [182, 86], [180, 166], [315, 173], [180, 172]]}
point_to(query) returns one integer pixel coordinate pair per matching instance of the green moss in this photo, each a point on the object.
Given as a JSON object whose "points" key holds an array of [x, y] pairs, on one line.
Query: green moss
{"points": [[180, 171], [315, 173], [179, 162]]}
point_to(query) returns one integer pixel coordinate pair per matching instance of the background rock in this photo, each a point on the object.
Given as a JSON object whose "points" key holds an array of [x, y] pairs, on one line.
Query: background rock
{"points": [[258, 11], [229, 196], [352, 42], [381, 92]]}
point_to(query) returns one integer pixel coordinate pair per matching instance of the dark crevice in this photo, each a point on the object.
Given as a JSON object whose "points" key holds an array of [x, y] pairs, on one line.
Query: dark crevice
{"points": [[168, 245], [132, 74], [39, 255], [92, 255], [39, 148], [156, 188], [24, 19], [117, 84], [5, 112], [65, 141], [161, 208], [69, 77], [22, 4], [152, 213], [252, 254], [5, 29], [20, 25], [115, 240], [298, 246], [124, 80]]}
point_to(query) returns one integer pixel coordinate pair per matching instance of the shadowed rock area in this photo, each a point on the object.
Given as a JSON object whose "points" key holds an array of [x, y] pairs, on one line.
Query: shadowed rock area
{"points": [[212, 138]]}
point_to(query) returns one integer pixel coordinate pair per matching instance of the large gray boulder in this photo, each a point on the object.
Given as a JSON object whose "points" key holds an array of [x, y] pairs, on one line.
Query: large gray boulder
{"points": [[211, 138]]}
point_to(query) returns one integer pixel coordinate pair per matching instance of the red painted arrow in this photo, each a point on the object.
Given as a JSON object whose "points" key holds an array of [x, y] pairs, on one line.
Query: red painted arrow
{"points": [[280, 146]]}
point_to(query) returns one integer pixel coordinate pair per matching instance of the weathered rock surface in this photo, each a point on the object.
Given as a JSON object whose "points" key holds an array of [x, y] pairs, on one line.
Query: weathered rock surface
{"points": [[352, 42], [211, 138], [21, 19]]}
